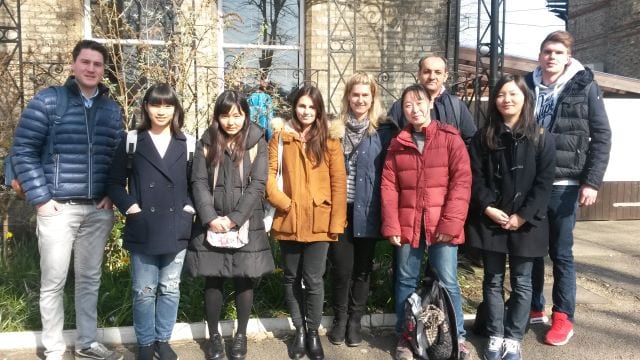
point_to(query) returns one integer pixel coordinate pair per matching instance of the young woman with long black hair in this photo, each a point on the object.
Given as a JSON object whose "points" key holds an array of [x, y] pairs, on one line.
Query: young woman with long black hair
{"points": [[228, 181], [513, 166]]}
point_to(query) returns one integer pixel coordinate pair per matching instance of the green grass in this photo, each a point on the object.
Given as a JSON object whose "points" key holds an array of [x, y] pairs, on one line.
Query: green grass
{"points": [[20, 282]]}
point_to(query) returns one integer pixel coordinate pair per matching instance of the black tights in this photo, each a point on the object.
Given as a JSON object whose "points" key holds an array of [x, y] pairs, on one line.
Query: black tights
{"points": [[213, 299]]}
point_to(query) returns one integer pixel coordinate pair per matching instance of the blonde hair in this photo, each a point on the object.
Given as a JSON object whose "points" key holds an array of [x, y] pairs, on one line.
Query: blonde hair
{"points": [[375, 111]]}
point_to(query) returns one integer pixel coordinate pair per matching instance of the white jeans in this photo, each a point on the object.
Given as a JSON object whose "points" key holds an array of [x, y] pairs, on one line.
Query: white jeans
{"points": [[83, 229]]}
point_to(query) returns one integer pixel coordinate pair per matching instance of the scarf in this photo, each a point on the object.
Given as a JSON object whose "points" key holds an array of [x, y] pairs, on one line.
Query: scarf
{"points": [[354, 133]]}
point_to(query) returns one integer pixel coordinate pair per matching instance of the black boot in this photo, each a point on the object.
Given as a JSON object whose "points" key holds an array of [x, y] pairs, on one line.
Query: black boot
{"points": [[354, 331], [215, 348], [239, 347], [314, 346], [298, 344], [339, 328]]}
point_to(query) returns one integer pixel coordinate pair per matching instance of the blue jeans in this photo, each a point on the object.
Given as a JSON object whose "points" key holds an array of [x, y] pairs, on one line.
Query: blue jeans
{"points": [[82, 229], [444, 260], [155, 283], [562, 219], [513, 323]]}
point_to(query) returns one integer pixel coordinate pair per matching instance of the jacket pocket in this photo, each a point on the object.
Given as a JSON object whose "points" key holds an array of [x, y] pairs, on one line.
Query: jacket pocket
{"points": [[186, 223], [285, 222], [321, 215], [135, 229]]}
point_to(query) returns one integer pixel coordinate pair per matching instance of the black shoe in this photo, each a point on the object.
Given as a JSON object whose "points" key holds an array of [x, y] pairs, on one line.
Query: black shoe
{"points": [[239, 347], [314, 346], [298, 345], [164, 351], [336, 334], [145, 352], [215, 348], [354, 333]]}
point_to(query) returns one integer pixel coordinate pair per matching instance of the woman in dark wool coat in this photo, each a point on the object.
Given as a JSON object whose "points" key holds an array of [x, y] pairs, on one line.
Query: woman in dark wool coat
{"points": [[513, 165], [231, 159]]}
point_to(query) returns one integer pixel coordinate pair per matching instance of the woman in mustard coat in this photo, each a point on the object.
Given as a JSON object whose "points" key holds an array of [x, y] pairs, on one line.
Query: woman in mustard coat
{"points": [[310, 211]]}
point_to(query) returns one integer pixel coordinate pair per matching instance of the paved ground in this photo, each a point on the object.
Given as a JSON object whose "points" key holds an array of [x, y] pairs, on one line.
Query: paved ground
{"points": [[607, 317]]}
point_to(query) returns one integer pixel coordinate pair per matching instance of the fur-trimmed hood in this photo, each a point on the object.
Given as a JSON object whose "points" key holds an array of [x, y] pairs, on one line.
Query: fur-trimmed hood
{"points": [[336, 127]]}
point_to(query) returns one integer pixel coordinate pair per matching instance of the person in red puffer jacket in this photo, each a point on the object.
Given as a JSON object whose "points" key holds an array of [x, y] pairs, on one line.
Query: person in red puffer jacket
{"points": [[425, 192]]}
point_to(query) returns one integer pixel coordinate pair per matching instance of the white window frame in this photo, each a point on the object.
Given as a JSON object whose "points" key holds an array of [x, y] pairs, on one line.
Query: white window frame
{"points": [[222, 46], [88, 33]]}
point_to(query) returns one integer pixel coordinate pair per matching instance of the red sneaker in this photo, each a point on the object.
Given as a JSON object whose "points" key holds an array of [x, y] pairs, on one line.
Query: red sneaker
{"points": [[561, 330], [538, 317]]}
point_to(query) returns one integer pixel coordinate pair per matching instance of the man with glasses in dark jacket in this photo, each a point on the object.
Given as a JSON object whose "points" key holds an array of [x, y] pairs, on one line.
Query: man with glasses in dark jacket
{"points": [[447, 108]]}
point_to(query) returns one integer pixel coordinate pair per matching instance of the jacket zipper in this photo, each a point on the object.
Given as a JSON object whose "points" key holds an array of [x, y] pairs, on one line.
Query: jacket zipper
{"points": [[89, 150], [56, 161]]}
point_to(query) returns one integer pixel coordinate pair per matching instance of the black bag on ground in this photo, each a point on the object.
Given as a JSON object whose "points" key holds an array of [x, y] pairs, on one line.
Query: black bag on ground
{"points": [[430, 321], [479, 326]]}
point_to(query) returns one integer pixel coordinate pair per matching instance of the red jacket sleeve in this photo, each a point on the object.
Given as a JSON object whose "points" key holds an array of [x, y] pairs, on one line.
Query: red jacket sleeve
{"points": [[389, 195], [456, 204]]}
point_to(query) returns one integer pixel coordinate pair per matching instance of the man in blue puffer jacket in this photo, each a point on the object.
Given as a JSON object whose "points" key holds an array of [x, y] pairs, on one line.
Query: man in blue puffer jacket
{"points": [[62, 160]]}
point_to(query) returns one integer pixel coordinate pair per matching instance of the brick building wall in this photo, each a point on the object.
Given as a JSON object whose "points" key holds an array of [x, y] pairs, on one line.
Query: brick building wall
{"points": [[49, 29], [383, 37], [607, 33]]}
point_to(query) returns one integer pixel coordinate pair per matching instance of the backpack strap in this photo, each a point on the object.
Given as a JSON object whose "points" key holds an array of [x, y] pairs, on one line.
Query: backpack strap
{"points": [[130, 148], [62, 100], [55, 114], [191, 149]]}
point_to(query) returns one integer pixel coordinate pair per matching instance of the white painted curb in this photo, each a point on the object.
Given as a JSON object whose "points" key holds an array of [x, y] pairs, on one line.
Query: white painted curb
{"points": [[259, 328]]}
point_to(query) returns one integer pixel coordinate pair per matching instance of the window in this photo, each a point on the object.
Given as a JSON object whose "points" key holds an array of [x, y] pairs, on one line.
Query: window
{"points": [[129, 22], [137, 33], [262, 40], [140, 29]]}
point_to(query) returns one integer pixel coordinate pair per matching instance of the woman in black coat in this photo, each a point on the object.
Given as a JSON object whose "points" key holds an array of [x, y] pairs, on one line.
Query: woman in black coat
{"points": [[513, 164], [231, 142], [159, 216]]}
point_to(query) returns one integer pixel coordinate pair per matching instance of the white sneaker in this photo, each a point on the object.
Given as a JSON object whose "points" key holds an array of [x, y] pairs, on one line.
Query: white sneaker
{"points": [[494, 349], [99, 352], [511, 350]]}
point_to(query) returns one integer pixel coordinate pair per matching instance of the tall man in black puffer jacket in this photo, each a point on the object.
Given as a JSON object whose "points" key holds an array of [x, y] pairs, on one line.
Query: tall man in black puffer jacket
{"points": [[62, 151], [569, 105]]}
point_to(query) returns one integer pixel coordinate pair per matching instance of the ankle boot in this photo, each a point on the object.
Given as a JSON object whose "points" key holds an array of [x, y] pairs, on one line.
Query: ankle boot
{"points": [[354, 331], [314, 346], [215, 348], [239, 347], [298, 345], [339, 328]]}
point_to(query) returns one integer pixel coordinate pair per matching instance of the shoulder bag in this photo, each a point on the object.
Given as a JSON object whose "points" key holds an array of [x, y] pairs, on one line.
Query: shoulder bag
{"points": [[270, 211]]}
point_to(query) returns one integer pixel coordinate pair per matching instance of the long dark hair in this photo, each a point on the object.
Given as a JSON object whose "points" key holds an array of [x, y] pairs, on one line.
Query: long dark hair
{"points": [[526, 125], [162, 94], [219, 138], [319, 130]]}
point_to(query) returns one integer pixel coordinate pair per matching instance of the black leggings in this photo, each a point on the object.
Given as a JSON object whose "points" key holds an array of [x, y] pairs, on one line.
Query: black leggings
{"points": [[213, 299]]}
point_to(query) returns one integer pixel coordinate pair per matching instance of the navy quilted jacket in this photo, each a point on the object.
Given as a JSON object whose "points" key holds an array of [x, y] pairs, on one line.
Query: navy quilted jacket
{"points": [[68, 157]]}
